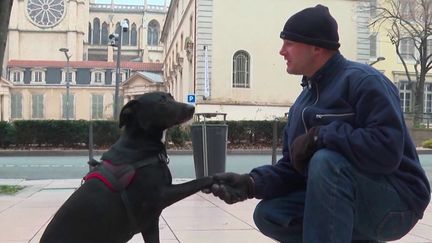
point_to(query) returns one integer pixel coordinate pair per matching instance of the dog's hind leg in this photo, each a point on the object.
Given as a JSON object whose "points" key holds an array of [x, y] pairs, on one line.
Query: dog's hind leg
{"points": [[151, 232], [175, 193]]}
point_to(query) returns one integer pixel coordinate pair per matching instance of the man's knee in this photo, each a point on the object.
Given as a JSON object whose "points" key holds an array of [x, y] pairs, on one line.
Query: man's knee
{"points": [[280, 219], [260, 216], [326, 163]]}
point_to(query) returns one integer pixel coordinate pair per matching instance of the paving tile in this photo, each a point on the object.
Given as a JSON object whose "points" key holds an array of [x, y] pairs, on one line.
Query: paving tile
{"points": [[198, 218], [216, 236]]}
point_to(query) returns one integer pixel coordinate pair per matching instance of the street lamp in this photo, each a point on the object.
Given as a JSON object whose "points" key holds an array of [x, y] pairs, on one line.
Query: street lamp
{"points": [[65, 51], [116, 40], [377, 60]]}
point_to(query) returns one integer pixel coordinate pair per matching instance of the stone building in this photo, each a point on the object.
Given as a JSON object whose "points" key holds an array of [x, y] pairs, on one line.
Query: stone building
{"points": [[34, 82]]}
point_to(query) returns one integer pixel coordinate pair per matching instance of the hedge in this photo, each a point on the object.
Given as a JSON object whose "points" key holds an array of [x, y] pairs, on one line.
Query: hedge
{"points": [[75, 133]]}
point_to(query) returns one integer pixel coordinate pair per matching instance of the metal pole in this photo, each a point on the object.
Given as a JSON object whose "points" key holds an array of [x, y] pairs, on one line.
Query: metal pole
{"points": [[204, 138], [67, 87], [90, 142], [117, 84], [65, 51]]}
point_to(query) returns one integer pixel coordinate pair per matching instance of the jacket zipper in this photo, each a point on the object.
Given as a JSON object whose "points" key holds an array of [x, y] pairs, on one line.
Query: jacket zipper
{"points": [[316, 101], [319, 116]]}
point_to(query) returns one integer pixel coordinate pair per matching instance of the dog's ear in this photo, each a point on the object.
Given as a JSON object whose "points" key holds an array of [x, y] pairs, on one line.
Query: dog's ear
{"points": [[128, 113]]}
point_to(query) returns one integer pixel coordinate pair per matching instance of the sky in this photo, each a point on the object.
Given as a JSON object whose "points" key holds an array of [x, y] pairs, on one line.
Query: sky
{"points": [[135, 2]]}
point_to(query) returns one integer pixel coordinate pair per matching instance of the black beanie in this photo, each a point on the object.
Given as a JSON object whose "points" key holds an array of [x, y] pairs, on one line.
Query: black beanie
{"points": [[314, 26]]}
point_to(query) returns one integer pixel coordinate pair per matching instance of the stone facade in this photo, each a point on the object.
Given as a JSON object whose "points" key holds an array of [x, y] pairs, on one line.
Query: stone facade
{"points": [[34, 82], [206, 42]]}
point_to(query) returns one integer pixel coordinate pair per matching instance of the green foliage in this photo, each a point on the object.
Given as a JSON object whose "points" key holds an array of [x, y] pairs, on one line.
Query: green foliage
{"points": [[7, 134], [178, 135], [254, 132], [10, 189], [105, 133], [75, 133], [427, 144], [50, 133]]}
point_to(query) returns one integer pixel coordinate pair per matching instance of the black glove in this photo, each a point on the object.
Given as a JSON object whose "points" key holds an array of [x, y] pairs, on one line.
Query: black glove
{"points": [[231, 187], [302, 149]]}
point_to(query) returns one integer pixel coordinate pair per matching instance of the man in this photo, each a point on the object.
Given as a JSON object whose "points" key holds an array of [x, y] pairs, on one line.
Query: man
{"points": [[349, 171]]}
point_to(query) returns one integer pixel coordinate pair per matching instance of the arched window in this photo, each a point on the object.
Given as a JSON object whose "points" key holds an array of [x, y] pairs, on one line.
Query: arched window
{"points": [[153, 33], [105, 30], [133, 41], [241, 69], [96, 31], [125, 35], [117, 28], [89, 33]]}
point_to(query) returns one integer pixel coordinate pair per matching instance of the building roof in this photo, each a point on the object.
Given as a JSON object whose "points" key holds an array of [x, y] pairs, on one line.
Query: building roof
{"points": [[151, 67], [152, 77]]}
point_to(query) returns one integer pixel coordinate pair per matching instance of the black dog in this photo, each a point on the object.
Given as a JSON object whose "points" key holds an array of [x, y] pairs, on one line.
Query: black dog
{"points": [[126, 194]]}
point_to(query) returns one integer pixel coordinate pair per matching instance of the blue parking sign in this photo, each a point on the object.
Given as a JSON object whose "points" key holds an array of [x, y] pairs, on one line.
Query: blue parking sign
{"points": [[191, 98]]}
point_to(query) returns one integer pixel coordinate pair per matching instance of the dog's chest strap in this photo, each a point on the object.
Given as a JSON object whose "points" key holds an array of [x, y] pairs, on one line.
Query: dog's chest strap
{"points": [[118, 177]]}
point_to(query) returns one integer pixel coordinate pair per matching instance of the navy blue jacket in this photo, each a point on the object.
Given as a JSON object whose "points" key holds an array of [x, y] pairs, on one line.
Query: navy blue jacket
{"points": [[358, 111]]}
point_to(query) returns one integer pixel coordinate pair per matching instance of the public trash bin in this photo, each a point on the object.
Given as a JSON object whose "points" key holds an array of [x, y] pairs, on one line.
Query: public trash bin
{"points": [[209, 147]]}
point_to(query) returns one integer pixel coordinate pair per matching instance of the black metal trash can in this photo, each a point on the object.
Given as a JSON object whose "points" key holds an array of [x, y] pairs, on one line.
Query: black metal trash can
{"points": [[210, 147]]}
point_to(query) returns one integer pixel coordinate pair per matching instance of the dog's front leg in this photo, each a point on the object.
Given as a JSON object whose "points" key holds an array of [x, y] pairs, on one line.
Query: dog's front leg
{"points": [[175, 193], [151, 233]]}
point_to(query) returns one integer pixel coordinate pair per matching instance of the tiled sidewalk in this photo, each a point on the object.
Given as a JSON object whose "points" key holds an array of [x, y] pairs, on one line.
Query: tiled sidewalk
{"points": [[199, 218]]}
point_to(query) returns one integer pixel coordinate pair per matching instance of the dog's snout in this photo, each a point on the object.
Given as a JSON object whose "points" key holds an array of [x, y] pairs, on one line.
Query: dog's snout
{"points": [[190, 108]]}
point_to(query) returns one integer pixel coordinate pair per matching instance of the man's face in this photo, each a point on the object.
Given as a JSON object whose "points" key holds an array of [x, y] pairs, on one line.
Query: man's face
{"points": [[299, 57]]}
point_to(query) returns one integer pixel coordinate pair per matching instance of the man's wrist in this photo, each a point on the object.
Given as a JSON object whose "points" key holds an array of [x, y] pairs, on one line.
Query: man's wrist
{"points": [[251, 186]]}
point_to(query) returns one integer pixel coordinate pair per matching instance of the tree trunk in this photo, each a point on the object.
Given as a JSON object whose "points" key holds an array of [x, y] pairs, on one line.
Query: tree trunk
{"points": [[419, 100], [5, 11]]}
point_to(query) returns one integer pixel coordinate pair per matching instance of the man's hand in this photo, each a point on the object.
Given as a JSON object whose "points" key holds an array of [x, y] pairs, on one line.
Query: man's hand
{"points": [[231, 187], [302, 149]]}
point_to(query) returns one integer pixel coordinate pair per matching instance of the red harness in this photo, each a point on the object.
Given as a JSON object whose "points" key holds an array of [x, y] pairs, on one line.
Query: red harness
{"points": [[118, 177], [115, 177]]}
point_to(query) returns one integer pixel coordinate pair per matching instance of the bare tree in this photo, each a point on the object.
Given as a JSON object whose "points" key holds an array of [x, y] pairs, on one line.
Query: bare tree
{"points": [[408, 24], [5, 11]]}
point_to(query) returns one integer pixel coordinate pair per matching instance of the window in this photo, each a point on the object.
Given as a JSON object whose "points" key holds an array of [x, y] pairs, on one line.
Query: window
{"points": [[117, 28], [89, 34], [373, 46], [37, 106], [407, 48], [429, 47], [123, 76], [17, 76], [96, 31], [98, 77], [153, 33], [408, 9], [68, 113], [104, 38], [428, 98], [241, 70], [71, 76], [97, 106], [373, 8], [38, 76], [125, 35], [16, 105], [133, 41], [405, 95]]}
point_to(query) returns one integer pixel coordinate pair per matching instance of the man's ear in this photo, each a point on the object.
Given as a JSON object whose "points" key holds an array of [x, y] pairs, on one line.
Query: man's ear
{"points": [[128, 113]]}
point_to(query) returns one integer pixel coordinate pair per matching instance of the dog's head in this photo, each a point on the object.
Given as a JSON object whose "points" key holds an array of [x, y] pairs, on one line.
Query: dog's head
{"points": [[155, 110]]}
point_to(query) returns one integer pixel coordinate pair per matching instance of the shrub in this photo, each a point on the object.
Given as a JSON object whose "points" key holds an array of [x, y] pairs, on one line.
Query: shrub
{"points": [[427, 144], [7, 134]]}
